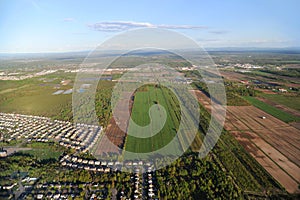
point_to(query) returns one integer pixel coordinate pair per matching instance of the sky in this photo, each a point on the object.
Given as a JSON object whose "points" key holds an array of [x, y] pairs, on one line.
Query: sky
{"points": [[28, 26]]}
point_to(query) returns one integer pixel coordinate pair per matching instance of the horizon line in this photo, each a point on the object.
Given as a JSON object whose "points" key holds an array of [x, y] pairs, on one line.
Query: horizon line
{"points": [[230, 48]]}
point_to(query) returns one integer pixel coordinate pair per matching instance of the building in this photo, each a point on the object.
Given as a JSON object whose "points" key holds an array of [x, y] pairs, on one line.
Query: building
{"points": [[3, 153], [282, 90]]}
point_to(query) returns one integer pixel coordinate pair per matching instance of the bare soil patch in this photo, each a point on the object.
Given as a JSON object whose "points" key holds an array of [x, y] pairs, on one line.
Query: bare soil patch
{"points": [[115, 137], [272, 142]]}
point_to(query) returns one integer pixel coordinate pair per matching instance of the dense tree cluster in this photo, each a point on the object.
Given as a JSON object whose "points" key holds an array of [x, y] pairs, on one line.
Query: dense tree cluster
{"points": [[193, 178]]}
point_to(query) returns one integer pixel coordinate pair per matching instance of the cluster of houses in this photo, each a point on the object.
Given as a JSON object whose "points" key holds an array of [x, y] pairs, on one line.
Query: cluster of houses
{"points": [[142, 185], [89, 164], [81, 137], [22, 76], [58, 190], [248, 66], [26, 180], [43, 191], [52, 190], [102, 166], [150, 185]]}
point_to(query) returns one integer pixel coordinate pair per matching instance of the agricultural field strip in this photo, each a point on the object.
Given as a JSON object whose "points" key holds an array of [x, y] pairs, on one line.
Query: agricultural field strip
{"points": [[234, 164], [277, 131], [287, 144], [285, 173], [277, 113], [114, 137], [232, 123], [138, 113], [268, 99], [265, 161], [13, 89], [275, 155], [173, 120], [164, 99], [183, 138]]}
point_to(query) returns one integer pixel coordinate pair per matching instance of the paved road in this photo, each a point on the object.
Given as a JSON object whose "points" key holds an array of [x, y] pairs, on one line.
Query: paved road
{"points": [[20, 190]]}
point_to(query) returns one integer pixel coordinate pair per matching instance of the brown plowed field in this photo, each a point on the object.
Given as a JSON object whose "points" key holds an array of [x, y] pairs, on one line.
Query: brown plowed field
{"points": [[272, 142], [115, 137]]}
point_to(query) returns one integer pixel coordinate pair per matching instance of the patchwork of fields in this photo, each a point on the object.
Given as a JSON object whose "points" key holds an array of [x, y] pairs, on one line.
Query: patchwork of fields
{"points": [[139, 105], [279, 114], [272, 142]]}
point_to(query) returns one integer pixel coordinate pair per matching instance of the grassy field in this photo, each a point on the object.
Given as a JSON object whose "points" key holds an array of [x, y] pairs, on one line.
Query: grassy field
{"points": [[143, 100], [286, 117], [44, 151], [288, 101], [34, 96]]}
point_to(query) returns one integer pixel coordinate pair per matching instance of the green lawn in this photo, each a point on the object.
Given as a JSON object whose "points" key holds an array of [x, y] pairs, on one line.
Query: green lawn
{"points": [[143, 100], [286, 117], [288, 101]]}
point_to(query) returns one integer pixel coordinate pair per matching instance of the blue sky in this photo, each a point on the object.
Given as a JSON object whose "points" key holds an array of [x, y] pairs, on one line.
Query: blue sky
{"points": [[45, 26]]}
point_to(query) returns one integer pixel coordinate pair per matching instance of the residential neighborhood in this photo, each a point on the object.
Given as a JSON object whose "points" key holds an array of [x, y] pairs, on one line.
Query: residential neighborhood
{"points": [[81, 138]]}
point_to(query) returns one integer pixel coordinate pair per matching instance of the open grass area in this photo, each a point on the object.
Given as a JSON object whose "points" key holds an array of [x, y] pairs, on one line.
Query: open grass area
{"points": [[35, 96], [279, 114], [36, 100], [143, 100], [44, 151], [289, 101], [42, 154]]}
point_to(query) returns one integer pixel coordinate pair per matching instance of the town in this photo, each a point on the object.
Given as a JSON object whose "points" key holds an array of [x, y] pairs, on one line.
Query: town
{"points": [[81, 138]]}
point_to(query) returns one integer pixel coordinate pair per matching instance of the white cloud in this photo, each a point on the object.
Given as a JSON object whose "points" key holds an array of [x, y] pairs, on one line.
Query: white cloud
{"points": [[125, 25], [69, 19], [218, 32]]}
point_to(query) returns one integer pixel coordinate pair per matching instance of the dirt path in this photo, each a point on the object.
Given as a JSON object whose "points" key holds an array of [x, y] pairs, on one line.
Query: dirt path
{"points": [[11, 150]]}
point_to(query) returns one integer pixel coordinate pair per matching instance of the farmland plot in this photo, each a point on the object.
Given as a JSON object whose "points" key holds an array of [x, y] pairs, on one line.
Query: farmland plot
{"points": [[272, 142]]}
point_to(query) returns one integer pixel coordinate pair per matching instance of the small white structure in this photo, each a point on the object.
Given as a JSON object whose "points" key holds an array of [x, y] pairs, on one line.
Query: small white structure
{"points": [[3, 153]]}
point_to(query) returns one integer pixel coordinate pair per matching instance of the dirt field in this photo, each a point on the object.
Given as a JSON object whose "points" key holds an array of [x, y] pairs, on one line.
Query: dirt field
{"points": [[233, 76], [273, 143], [115, 137], [265, 91]]}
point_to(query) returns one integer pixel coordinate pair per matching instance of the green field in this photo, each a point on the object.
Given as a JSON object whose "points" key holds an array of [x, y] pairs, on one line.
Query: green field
{"points": [[44, 151], [143, 100], [34, 96], [279, 114], [288, 101]]}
